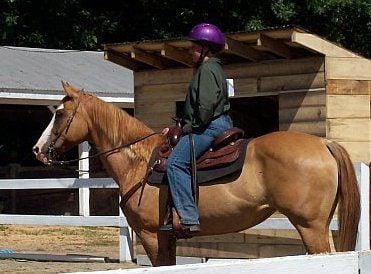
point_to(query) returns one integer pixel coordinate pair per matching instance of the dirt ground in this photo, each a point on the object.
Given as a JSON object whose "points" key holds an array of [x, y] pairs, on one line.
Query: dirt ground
{"points": [[96, 241]]}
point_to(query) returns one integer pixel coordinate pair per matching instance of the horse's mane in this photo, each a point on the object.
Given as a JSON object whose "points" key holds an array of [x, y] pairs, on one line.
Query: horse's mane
{"points": [[114, 123]]}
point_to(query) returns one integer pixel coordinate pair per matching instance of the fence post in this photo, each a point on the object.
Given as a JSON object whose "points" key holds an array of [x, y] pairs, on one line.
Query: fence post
{"points": [[125, 239], [363, 178], [84, 193]]}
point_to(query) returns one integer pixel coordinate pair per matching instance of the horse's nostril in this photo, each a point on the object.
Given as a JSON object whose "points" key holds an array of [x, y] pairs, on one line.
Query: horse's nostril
{"points": [[35, 149]]}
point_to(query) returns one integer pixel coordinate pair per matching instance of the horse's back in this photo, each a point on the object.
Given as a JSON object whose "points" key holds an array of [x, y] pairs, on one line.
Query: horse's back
{"points": [[294, 146]]}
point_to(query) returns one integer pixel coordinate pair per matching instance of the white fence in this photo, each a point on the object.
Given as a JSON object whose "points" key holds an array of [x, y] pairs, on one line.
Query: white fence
{"points": [[83, 220], [126, 248], [344, 263]]}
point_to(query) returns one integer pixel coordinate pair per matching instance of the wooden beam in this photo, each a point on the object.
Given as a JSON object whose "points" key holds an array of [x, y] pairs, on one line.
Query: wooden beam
{"points": [[348, 68], [349, 129], [147, 58], [243, 50], [176, 54], [320, 45], [275, 46], [348, 87], [348, 106], [121, 59]]}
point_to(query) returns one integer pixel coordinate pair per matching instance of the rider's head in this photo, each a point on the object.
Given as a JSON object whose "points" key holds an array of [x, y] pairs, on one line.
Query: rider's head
{"points": [[209, 37]]}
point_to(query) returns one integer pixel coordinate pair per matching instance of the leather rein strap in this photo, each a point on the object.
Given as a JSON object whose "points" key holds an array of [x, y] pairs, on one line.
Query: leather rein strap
{"points": [[141, 184], [193, 168], [125, 198], [101, 153]]}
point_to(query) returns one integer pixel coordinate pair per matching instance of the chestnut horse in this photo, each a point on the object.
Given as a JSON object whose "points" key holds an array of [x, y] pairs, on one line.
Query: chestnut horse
{"points": [[302, 176]]}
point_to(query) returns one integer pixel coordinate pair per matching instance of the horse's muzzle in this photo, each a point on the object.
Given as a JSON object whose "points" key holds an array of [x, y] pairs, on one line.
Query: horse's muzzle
{"points": [[40, 155], [43, 158]]}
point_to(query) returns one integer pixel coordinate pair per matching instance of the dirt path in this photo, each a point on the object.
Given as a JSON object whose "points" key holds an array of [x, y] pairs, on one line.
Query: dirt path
{"points": [[96, 241]]}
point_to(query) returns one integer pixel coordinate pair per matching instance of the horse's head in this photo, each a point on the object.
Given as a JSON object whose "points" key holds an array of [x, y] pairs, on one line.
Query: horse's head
{"points": [[67, 128]]}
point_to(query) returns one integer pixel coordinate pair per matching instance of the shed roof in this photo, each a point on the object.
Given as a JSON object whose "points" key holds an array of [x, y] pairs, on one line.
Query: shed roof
{"points": [[242, 47], [37, 72]]}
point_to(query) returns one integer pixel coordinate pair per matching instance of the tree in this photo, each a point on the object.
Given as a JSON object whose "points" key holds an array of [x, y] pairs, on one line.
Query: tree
{"points": [[79, 24]]}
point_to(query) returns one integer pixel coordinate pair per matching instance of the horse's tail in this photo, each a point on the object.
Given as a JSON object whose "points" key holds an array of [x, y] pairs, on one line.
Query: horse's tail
{"points": [[348, 195]]}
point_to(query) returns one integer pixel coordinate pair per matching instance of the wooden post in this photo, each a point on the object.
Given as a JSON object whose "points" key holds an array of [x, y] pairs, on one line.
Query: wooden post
{"points": [[84, 192], [363, 178], [125, 239]]}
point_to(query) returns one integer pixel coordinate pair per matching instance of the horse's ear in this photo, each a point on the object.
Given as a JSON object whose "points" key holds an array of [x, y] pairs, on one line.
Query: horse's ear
{"points": [[70, 90]]}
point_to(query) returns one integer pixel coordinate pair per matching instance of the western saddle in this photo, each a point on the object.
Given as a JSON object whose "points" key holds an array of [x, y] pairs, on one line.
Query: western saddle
{"points": [[224, 150]]}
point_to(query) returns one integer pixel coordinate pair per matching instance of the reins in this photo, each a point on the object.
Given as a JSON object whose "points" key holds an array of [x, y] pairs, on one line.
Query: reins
{"points": [[62, 163], [125, 198]]}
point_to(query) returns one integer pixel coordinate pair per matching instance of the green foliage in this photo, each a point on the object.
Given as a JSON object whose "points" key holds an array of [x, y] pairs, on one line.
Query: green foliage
{"points": [[284, 10], [346, 22], [82, 24]]}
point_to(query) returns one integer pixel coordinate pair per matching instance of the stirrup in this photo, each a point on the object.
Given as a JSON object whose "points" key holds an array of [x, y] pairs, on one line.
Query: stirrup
{"points": [[183, 228]]}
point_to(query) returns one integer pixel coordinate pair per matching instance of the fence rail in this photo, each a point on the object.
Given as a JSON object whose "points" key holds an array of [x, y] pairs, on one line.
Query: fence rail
{"points": [[125, 237], [345, 263], [84, 184]]}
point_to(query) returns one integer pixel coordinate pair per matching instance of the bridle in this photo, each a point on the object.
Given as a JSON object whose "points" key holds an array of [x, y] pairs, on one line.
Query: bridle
{"points": [[61, 163], [52, 154], [51, 148]]}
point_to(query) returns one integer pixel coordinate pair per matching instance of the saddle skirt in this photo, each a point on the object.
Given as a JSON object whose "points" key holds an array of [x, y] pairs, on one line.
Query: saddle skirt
{"points": [[225, 156]]}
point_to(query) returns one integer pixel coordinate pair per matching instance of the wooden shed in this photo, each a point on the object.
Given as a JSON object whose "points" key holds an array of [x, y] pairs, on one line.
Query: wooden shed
{"points": [[284, 79]]}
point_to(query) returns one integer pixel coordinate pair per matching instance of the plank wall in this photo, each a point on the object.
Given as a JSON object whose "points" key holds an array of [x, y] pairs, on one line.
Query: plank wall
{"points": [[348, 105], [300, 85]]}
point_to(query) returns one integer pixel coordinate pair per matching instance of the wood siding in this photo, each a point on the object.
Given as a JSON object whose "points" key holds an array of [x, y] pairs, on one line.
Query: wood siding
{"points": [[299, 83], [303, 111], [244, 244], [348, 105]]}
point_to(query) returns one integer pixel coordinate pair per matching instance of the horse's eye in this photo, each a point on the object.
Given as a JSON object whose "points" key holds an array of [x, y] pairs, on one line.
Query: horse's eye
{"points": [[59, 113]]}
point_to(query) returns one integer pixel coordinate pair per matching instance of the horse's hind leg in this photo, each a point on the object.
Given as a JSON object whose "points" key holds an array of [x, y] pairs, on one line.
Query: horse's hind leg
{"points": [[315, 236]]}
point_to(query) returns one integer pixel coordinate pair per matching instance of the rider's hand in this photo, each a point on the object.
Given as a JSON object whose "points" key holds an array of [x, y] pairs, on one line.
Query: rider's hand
{"points": [[165, 131]]}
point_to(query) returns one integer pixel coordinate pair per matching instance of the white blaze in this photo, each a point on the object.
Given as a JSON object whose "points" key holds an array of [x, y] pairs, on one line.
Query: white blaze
{"points": [[44, 140]]}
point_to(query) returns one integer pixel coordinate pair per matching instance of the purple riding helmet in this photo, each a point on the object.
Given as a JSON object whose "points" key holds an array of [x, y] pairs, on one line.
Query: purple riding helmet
{"points": [[208, 34]]}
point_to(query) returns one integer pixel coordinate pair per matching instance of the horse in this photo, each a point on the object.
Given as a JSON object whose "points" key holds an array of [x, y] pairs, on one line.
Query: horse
{"points": [[302, 176]]}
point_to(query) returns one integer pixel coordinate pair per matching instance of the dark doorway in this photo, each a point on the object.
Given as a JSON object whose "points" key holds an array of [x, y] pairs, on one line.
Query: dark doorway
{"points": [[21, 126], [255, 115]]}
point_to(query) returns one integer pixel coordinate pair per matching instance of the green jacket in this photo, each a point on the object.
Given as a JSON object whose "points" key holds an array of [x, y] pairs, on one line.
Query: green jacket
{"points": [[207, 96]]}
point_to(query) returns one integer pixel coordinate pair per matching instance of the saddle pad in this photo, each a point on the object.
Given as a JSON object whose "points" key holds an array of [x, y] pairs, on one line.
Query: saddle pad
{"points": [[203, 176]]}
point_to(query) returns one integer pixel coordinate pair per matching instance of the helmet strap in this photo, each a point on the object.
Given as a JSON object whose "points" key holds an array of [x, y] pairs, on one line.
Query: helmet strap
{"points": [[202, 55]]}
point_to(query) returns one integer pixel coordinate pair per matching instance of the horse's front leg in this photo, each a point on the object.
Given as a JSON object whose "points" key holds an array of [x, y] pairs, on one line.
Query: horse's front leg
{"points": [[160, 247]]}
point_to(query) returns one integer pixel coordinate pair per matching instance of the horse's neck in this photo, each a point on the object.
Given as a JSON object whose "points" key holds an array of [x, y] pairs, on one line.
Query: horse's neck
{"points": [[109, 129]]}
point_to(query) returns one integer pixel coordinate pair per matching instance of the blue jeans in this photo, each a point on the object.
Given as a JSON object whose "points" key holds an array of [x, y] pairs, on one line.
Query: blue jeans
{"points": [[178, 167]]}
